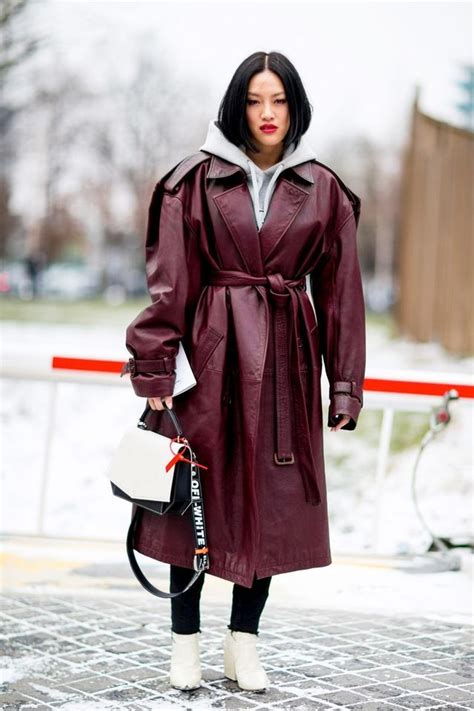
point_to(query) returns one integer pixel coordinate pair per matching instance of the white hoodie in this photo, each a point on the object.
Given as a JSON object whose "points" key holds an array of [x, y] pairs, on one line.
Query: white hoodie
{"points": [[261, 182]]}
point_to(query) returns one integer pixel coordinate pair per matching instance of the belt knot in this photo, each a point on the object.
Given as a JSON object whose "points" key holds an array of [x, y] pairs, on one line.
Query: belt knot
{"points": [[278, 290]]}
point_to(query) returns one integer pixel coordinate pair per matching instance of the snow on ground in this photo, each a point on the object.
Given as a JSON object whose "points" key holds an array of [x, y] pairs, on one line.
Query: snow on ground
{"points": [[90, 418]]}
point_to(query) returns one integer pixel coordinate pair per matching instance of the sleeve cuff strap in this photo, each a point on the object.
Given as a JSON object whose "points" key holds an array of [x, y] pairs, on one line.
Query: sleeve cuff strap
{"points": [[346, 387], [162, 366]]}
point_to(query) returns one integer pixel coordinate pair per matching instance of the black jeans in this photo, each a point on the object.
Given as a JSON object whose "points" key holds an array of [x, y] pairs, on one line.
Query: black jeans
{"points": [[247, 603]]}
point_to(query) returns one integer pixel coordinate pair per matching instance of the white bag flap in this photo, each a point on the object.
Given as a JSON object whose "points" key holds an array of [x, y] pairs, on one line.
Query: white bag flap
{"points": [[138, 465]]}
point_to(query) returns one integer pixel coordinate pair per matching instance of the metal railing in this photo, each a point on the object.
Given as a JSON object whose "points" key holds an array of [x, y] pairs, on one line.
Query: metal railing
{"points": [[389, 391]]}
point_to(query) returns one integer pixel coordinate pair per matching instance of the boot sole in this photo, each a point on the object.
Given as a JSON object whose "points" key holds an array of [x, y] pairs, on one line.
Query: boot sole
{"points": [[185, 688]]}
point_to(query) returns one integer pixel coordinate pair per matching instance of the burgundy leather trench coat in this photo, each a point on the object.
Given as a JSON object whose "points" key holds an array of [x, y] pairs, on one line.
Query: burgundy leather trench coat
{"points": [[236, 296]]}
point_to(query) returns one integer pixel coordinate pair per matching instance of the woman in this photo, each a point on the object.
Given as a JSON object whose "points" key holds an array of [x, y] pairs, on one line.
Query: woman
{"points": [[236, 231]]}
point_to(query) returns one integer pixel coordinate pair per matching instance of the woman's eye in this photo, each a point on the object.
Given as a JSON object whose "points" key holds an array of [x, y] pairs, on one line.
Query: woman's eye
{"points": [[254, 101]]}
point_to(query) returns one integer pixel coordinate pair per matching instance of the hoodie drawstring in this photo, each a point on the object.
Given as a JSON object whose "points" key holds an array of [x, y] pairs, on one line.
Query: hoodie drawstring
{"points": [[255, 188], [268, 193]]}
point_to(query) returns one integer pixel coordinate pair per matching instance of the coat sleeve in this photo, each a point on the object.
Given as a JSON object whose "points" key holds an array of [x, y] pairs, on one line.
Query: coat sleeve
{"points": [[336, 289], [174, 277]]}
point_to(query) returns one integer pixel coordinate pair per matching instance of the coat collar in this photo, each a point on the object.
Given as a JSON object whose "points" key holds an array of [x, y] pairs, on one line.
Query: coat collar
{"points": [[220, 168], [257, 246]]}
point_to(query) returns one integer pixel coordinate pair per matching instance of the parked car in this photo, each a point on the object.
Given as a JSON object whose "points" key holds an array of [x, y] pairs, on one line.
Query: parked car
{"points": [[70, 281]]}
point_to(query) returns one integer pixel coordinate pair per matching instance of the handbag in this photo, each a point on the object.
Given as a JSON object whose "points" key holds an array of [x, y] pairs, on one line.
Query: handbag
{"points": [[145, 470]]}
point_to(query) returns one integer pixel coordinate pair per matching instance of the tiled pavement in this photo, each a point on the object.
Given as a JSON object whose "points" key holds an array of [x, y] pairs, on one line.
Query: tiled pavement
{"points": [[83, 651]]}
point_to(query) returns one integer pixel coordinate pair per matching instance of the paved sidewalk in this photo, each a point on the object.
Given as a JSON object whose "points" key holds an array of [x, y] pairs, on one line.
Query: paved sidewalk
{"points": [[78, 632], [84, 651]]}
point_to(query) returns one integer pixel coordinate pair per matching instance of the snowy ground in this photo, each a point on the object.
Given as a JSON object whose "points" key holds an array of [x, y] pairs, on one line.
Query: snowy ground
{"points": [[89, 418]]}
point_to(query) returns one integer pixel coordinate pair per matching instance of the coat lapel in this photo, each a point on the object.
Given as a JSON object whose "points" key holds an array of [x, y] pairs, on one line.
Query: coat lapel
{"points": [[236, 208], [285, 204]]}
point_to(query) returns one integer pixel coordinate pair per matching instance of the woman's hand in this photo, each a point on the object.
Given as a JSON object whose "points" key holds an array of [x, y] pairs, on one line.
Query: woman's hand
{"points": [[345, 419], [156, 404]]}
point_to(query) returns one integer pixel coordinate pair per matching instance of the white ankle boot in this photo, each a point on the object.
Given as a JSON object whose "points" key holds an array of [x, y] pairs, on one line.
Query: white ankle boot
{"points": [[185, 671], [241, 661]]}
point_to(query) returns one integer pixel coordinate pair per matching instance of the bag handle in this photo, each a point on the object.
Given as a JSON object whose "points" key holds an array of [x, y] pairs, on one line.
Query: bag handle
{"points": [[202, 562], [174, 418]]}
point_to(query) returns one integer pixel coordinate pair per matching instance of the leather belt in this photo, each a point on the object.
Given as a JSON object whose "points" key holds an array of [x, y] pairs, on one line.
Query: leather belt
{"points": [[282, 293]]}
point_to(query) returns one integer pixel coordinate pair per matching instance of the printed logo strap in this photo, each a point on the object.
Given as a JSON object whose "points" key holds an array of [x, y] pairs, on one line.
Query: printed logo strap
{"points": [[201, 552]]}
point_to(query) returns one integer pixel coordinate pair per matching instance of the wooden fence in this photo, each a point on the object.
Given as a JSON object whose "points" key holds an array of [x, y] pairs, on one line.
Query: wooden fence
{"points": [[435, 246]]}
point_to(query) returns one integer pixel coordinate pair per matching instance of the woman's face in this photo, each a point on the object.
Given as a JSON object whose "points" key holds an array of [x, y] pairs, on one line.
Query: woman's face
{"points": [[267, 105]]}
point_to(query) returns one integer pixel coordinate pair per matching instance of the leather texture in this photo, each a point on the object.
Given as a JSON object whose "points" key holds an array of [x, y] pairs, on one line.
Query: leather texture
{"points": [[236, 296]]}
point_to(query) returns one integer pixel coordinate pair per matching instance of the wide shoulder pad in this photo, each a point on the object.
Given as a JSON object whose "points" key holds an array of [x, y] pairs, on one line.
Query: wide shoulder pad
{"points": [[175, 175], [353, 198]]}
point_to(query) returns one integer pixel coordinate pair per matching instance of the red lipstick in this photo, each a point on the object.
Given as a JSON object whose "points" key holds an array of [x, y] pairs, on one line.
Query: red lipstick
{"points": [[268, 128]]}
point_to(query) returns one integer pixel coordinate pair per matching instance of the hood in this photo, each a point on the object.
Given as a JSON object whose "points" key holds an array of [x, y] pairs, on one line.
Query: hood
{"points": [[261, 182]]}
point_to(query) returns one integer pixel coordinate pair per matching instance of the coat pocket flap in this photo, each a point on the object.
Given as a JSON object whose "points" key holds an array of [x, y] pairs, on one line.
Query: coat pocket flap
{"points": [[204, 347]]}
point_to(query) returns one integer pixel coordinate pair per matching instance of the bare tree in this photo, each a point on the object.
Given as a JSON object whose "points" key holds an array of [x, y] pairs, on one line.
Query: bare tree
{"points": [[60, 104], [16, 46], [154, 120], [62, 235], [16, 43]]}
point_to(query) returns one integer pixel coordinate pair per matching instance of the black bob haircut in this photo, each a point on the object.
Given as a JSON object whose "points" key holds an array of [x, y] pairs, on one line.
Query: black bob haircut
{"points": [[232, 118]]}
